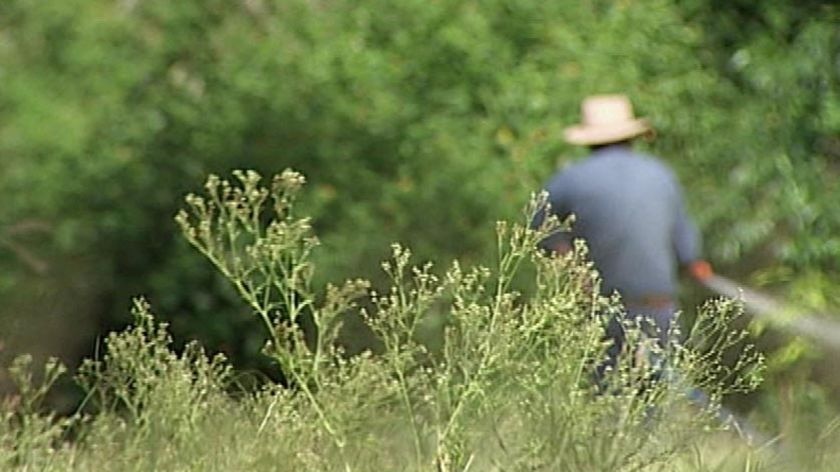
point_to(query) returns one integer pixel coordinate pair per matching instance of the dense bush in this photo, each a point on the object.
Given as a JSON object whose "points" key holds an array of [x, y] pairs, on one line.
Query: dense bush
{"points": [[416, 121]]}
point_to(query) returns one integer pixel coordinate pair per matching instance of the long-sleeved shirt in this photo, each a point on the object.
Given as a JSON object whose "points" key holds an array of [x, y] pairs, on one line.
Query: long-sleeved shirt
{"points": [[629, 209]]}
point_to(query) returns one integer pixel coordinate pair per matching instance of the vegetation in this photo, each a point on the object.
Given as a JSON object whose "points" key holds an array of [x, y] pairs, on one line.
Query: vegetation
{"points": [[510, 388], [415, 121]]}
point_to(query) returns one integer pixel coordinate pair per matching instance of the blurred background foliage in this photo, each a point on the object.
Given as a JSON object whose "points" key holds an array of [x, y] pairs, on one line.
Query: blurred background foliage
{"points": [[416, 121]]}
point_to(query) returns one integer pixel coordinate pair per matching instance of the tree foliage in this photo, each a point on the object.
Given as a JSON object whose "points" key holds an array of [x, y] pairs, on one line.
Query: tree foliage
{"points": [[422, 122]]}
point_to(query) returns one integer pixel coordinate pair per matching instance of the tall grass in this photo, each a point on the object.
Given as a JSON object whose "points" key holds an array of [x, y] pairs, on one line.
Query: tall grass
{"points": [[510, 386]]}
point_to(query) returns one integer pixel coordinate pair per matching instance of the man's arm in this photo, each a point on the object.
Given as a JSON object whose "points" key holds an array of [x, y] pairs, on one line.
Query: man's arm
{"points": [[687, 245], [561, 241]]}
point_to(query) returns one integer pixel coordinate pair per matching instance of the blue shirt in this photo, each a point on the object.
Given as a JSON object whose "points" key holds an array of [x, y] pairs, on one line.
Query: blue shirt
{"points": [[629, 209]]}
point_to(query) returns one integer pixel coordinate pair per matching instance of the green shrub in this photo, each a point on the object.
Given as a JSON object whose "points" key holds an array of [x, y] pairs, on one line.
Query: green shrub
{"points": [[510, 386], [417, 121]]}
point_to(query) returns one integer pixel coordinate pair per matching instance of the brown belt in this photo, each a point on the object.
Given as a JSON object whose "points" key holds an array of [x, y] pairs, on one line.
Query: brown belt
{"points": [[651, 301]]}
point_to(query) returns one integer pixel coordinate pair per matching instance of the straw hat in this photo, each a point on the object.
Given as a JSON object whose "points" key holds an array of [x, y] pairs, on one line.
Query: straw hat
{"points": [[606, 119]]}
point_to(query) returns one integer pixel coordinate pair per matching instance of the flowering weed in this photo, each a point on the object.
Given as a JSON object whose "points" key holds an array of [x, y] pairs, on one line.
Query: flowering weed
{"points": [[510, 387]]}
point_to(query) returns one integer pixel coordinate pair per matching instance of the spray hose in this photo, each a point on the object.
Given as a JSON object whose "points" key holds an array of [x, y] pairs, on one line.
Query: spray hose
{"points": [[763, 306]]}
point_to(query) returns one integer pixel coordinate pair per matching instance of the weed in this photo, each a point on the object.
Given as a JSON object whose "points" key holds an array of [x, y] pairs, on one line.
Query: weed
{"points": [[509, 388]]}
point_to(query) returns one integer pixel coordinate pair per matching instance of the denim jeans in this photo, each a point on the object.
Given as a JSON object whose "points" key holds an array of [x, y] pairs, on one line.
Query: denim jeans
{"points": [[656, 322]]}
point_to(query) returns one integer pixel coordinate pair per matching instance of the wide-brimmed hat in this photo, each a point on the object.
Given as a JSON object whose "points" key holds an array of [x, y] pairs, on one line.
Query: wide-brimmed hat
{"points": [[606, 119]]}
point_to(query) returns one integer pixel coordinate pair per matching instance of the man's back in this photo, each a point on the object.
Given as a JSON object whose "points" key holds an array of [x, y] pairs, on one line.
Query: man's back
{"points": [[629, 209]]}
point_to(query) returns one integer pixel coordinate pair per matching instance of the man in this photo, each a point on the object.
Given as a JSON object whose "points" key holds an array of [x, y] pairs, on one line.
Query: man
{"points": [[629, 209]]}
